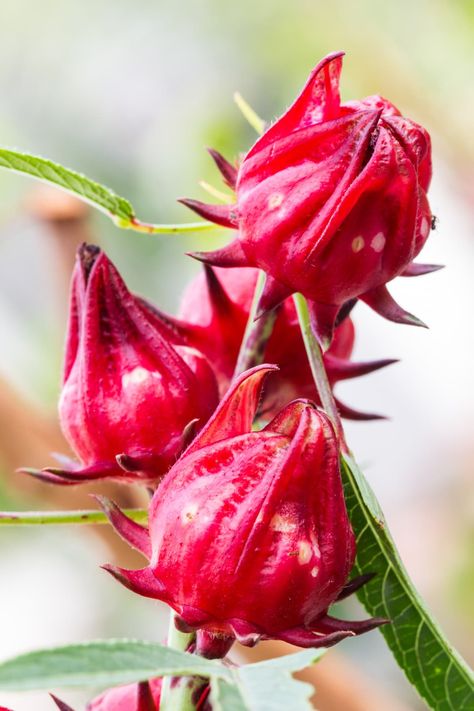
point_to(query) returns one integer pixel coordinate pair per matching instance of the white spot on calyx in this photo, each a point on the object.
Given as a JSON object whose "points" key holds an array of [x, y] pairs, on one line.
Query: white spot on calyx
{"points": [[358, 243], [378, 242], [425, 227], [188, 514], [282, 524], [135, 377], [304, 552], [275, 200]]}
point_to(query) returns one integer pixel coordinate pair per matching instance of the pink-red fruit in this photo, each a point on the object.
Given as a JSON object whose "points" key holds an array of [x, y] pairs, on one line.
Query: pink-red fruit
{"points": [[130, 390], [330, 202], [248, 534]]}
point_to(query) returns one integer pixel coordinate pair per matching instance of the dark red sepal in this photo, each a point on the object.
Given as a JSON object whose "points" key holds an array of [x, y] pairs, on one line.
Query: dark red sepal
{"points": [[226, 169], [415, 269], [229, 256], [382, 302], [220, 214], [62, 706], [132, 532]]}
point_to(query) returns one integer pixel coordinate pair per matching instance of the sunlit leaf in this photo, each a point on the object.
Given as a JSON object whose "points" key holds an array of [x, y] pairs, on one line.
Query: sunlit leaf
{"points": [[431, 664], [101, 663], [117, 208]]}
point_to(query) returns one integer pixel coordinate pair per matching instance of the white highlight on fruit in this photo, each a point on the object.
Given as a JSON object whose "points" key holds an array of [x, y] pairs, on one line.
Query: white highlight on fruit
{"points": [[136, 376], [314, 571], [425, 227], [304, 552], [282, 524], [275, 200], [378, 242], [358, 243]]}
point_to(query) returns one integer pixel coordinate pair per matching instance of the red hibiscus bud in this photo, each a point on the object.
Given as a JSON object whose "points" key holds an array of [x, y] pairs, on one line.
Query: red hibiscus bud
{"points": [[331, 202], [249, 536], [130, 390], [214, 312], [144, 696]]}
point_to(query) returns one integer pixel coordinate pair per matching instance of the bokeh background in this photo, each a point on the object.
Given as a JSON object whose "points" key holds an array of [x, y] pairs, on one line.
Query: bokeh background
{"points": [[130, 94]]}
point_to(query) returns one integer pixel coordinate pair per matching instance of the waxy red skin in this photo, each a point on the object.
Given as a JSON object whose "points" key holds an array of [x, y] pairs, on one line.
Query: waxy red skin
{"points": [[213, 315], [133, 697], [248, 534], [144, 696], [129, 388], [330, 201]]}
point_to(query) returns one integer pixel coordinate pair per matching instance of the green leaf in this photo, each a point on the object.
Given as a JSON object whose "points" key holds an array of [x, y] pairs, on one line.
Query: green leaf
{"points": [[101, 663], [431, 664], [117, 208], [226, 697], [267, 686]]}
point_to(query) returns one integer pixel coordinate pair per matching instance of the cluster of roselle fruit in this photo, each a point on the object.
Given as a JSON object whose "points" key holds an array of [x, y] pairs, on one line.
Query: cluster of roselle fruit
{"points": [[248, 536]]}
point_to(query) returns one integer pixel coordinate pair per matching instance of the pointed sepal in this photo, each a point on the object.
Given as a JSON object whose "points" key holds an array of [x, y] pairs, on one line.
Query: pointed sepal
{"points": [[141, 581], [62, 706], [226, 169], [133, 533], [323, 321], [218, 296], [301, 637], [414, 269], [273, 294], [65, 477], [382, 302], [329, 625], [349, 413], [220, 214], [355, 584], [343, 369], [232, 255]]}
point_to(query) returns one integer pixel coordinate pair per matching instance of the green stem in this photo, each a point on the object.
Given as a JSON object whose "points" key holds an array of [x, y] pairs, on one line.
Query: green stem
{"points": [[249, 114], [43, 518], [179, 693], [257, 333], [153, 229], [316, 362]]}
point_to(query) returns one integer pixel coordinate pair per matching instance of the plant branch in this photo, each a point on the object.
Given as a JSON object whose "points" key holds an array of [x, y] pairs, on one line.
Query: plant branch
{"points": [[249, 114], [43, 518], [316, 362], [177, 693], [154, 229], [257, 333]]}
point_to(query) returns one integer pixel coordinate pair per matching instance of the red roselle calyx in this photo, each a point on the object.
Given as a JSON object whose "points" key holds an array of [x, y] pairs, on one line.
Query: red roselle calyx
{"points": [[130, 390], [214, 313], [331, 202], [144, 696], [249, 536]]}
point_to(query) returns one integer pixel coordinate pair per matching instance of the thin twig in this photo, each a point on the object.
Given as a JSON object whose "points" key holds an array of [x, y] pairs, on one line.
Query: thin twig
{"points": [[316, 362], [43, 518]]}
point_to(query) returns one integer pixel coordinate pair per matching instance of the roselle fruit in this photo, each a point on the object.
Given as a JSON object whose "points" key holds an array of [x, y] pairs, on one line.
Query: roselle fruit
{"points": [[330, 202], [249, 536], [130, 390], [144, 696], [213, 315]]}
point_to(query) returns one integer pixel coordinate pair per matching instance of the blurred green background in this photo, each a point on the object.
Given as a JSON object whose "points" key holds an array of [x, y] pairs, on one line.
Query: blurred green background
{"points": [[131, 93]]}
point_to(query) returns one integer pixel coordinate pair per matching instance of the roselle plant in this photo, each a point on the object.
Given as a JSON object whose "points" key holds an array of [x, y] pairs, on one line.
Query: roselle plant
{"points": [[259, 519]]}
